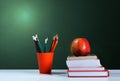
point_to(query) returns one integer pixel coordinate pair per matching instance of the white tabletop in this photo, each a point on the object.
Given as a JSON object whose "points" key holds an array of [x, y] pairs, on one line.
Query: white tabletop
{"points": [[57, 75]]}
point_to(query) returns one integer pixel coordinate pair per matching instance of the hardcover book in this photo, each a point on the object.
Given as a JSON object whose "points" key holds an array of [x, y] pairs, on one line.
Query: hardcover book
{"points": [[90, 73]]}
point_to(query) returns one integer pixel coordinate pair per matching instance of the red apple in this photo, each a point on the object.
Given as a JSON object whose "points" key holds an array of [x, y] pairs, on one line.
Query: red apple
{"points": [[80, 47]]}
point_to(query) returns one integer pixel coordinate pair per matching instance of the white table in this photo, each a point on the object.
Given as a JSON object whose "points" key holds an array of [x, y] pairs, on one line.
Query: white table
{"points": [[57, 75]]}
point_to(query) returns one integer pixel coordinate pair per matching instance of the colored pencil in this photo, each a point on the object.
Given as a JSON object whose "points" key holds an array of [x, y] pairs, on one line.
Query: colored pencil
{"points": [[45, 45], [54, 44]]}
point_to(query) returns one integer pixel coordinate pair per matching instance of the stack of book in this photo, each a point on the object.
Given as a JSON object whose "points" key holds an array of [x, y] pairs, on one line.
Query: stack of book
{"points": [[85, 66]]}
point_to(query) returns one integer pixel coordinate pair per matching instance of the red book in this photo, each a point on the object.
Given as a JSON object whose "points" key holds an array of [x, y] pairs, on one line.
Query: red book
{"points": [[88, 73]]}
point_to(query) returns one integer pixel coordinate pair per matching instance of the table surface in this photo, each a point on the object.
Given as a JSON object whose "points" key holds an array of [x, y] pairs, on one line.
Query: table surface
{"points": [[57, 75]]}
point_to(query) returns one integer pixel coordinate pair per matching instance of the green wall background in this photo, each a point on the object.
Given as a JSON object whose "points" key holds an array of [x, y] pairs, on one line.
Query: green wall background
{"points": [[97, 20]]}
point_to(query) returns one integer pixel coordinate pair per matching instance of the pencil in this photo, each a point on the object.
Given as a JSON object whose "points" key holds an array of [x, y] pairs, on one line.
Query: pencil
{"points": [[37, 43], [45, 45], [54, 44]]}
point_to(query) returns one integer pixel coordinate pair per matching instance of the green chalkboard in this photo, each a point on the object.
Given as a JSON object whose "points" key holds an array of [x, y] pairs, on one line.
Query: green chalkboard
{"points": [[97, 20]]}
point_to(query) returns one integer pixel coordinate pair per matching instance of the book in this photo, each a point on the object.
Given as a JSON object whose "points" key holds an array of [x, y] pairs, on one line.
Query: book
{"points": [[86, 68], [82, 57], [90, 73], [83, 63]]}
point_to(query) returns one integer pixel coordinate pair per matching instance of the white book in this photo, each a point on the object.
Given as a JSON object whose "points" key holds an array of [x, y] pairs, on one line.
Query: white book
{"points": [[82, 57], [104, 73], [87, 68], [83, 63]]}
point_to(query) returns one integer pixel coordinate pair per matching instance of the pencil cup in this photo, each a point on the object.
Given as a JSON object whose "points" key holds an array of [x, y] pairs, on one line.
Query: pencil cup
{"points": [[45, 61]]}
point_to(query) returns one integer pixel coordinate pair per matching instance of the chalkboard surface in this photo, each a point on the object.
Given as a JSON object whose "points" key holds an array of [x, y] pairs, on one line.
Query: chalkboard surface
{"points": [[97, 20]]}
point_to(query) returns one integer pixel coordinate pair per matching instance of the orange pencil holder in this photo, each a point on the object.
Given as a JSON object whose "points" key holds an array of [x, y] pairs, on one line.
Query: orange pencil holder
{"points": [[45, 61]]}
